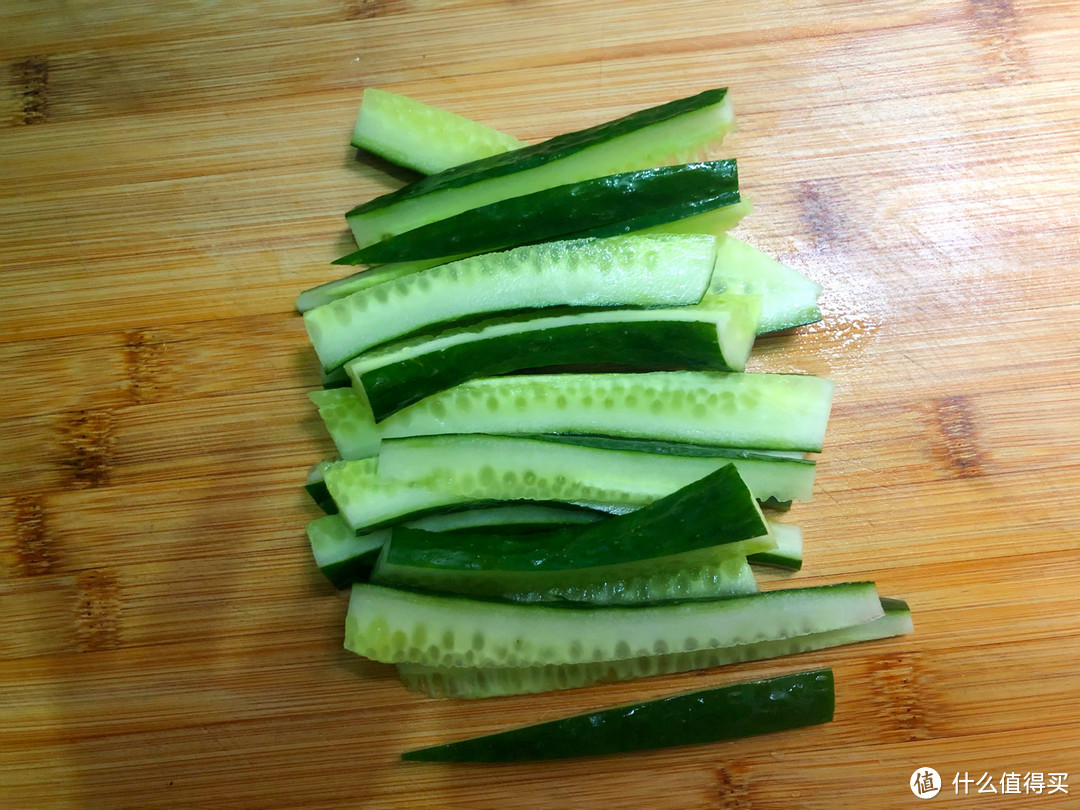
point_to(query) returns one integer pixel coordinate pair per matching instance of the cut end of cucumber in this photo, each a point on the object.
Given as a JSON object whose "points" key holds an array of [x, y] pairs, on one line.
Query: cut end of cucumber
{"points": [[789, 299], [349, 421], [421, 137]]}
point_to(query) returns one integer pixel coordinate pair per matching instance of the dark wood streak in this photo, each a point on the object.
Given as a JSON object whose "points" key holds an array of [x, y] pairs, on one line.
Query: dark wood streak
{"points": [[143, 361], [996, 26], [732, 792], [33, 548], [898, 695], [369, 9], [97, 612], [956, 421], [87, 440], [30, 78]]}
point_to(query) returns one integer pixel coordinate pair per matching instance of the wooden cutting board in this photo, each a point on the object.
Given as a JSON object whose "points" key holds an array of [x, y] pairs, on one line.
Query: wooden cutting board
{"points": [[172, 175]]}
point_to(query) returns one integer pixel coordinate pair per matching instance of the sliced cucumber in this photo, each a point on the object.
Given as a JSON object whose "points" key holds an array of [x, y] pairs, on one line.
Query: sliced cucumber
{"points": [[765, 411], [707, 521], [337, 378], [637, 141], [349, 422], [403, 627], [365, 279], [482, 682], [510, 468], [711, 222], [367, 500], [342, 555], [708, 580], [606, 206], [316, 484], [627, 271], [788, 551], [427, 476], [788, 298], [715, 334], [725, 713], [515, 518], [421, 137], [355, 555]]}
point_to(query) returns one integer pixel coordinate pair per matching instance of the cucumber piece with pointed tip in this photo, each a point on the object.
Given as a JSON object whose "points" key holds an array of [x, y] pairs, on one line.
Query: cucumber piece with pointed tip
{"points": [[603, 207], [421, 137], [708, 521], [645, 138], [723, 713]]}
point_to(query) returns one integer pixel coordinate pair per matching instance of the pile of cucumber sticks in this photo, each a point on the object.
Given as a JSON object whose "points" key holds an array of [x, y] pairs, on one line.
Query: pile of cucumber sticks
{"points": [[552, 462]]}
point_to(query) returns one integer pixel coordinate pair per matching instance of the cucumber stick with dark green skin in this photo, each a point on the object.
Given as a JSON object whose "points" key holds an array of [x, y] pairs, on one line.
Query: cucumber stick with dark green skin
{"points": [[423, 476], [756, 411], [723, 713], [709, 520], [714, 222], [345, 557], [484, 682], [715, 334], [394, 626], [637, 141], [639, 271], [605, 206]]}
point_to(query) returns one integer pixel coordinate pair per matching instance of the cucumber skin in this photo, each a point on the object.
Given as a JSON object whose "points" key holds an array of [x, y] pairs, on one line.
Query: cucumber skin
{"points": [[631, 346], [725, 713], [553, 149], [355, 569], [713, 510], [586, 208]]}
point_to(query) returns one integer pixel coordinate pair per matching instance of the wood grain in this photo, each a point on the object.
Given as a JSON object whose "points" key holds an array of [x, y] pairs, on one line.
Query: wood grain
{"points": [[175, 172]]}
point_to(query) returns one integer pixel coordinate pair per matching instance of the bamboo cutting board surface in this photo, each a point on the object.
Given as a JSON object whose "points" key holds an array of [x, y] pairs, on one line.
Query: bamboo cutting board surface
{"points": [[174, 173]]}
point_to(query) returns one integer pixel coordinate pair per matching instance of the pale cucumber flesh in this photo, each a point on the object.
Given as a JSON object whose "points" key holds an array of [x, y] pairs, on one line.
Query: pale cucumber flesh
{"points": [[788, 298], [620, 271], [705, 580], [481, 682], [421, 137], [510, 468], [395, 626], [764, 411]]}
